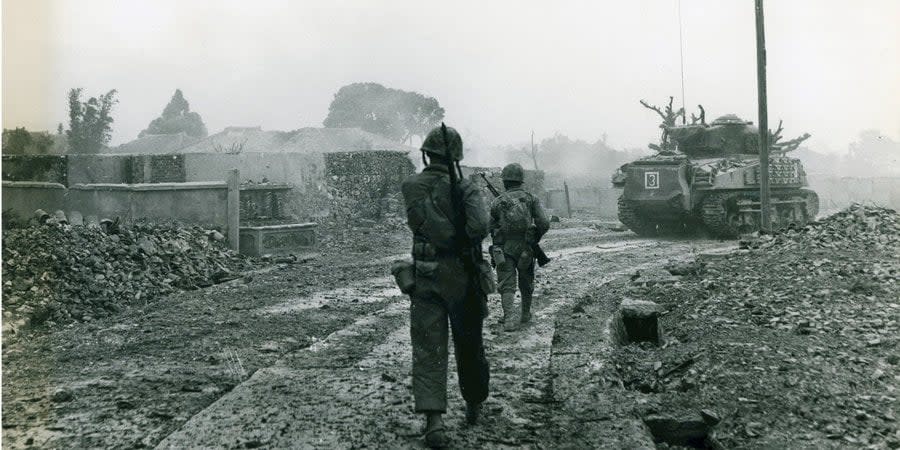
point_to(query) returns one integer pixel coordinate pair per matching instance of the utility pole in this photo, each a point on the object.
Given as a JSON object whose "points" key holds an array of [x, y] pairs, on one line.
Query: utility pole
{"points": [[765, 220], [533, 153]]}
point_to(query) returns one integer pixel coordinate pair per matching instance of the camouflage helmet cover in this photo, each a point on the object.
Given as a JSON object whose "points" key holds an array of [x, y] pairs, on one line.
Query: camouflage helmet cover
{"points": [[434, 143], [513, 172]]}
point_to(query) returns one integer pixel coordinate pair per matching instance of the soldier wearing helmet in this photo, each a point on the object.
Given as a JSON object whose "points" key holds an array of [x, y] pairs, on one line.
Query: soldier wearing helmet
{"points": [[517, 222], [442, 292]]}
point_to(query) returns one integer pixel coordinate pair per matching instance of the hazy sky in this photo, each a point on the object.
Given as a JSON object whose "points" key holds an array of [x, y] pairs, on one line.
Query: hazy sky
{"points": [[500, 68]]}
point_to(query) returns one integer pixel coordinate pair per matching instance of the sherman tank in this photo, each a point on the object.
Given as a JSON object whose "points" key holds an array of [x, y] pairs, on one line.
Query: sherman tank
{"points": [[708, 175]]}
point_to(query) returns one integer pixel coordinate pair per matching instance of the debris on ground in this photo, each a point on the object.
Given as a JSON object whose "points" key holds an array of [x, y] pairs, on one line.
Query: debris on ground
{"points": [[859, 225], [796, 342], [57, 273]]}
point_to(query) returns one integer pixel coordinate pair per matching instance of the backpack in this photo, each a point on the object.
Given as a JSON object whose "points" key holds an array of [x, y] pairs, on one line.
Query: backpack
{"points": [[515, 216]]}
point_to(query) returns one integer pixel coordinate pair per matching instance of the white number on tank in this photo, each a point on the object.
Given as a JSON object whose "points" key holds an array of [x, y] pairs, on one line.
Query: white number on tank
{"points": [[651, 180]]}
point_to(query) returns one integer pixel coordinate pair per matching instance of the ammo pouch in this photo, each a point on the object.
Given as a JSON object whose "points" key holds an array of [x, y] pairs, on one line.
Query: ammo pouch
{"points": [[404, 275]]}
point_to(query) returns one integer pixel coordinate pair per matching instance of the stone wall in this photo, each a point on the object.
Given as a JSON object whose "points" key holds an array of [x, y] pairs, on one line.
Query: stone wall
{"points": [[303, 173], [158, 168], [40, 168], [204, 204], [366, 184], [310, 186], [85, 169]]}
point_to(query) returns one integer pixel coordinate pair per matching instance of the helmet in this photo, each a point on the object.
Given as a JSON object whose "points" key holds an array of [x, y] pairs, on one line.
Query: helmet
{"points": [[434, 143], [512, 172]]}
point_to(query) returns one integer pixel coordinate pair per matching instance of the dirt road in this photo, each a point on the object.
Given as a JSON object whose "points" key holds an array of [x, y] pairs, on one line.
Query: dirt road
{"points": [[318, 355]]}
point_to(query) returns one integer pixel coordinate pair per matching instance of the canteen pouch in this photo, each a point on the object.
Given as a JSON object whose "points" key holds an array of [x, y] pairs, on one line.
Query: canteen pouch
{"points": [[486, 277], [404, 275]]}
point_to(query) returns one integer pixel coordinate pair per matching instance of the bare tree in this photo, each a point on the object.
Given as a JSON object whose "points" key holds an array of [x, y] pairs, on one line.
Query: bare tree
{"points": [[669, 116], [786, 146]]}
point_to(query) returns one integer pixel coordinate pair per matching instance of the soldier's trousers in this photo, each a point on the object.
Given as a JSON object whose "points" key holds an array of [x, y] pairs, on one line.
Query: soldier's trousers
{"points": [[429, 318], [516, 269]]}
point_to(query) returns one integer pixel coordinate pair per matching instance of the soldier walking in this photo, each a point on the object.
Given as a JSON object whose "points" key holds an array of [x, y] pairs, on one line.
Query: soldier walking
{"points": [[444, 231], [517, 224]]}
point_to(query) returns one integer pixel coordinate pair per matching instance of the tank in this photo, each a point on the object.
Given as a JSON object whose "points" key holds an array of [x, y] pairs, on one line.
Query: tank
{"points": [[707, 176]]}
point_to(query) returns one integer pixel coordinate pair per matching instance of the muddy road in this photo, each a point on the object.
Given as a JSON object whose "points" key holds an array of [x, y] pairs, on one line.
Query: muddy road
{"points": [[317, 355]]}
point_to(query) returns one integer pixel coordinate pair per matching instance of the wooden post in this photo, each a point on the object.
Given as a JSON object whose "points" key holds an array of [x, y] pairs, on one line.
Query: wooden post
{"points": [[233, 206], [765, 220], [568, 203]]}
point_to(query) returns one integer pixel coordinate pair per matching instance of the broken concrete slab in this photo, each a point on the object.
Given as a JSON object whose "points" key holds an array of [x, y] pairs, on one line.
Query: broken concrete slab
{"points": [[639, 309], [639, 321], [277, 239], [686, 429]]}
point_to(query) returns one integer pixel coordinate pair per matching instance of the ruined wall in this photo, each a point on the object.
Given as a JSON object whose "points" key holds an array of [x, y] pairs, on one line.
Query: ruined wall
{"points": [[366, 184], [158, 168], [264, 204], [304, 173], [85, 169], [198, 203], [42, 168], [362, 184], [22, 198]]}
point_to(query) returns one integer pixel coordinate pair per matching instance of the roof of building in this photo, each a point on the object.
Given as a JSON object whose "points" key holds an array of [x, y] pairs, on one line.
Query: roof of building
{"points": [[155, 144], [257, 140]]}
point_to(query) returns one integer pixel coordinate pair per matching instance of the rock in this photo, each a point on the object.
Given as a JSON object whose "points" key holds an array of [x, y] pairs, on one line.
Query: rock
{"points": [[639, 309], [61, 395], [388, 378], [216, 236], [270, 347], [639, 321], [148, 247], [710, 417], [76, 219], [684, 429]]}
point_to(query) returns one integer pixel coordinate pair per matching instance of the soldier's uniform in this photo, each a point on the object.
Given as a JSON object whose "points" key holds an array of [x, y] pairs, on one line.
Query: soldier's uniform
{"points": [[442, 289], [517, 265]]}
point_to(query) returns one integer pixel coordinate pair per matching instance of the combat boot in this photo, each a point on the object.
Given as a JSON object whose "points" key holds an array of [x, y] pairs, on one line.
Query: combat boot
{"points": [[526, 309], [506, 302], [435, 435], [473, 412]]}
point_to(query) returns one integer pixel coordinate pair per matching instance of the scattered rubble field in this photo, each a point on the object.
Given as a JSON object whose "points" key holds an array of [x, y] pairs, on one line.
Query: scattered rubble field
{"points": [[792, 343]]}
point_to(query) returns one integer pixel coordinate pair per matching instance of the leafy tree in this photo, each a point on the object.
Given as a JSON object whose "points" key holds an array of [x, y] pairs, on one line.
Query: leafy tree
{"points": [[389, 112], [90, 122], [177, 117], [16, 141], [20, 141]]}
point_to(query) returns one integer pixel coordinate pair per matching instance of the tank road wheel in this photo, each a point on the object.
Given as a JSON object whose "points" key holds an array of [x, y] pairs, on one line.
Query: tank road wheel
{"points": [[812, 204], [629, 217], [719, 218]]}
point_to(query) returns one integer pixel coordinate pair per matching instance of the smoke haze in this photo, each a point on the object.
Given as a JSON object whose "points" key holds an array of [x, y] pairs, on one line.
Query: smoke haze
{"points": [[501, 69]]}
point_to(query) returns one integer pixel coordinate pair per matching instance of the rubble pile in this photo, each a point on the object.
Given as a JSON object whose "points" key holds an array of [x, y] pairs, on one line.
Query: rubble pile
{"points": [[868, 226], [799, 338], [58, 273]]}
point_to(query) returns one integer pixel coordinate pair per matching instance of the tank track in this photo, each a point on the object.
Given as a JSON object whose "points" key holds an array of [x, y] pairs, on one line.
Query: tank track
{"points": [[631, 219], [812, 204], [715, 215], [714, 210]]}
